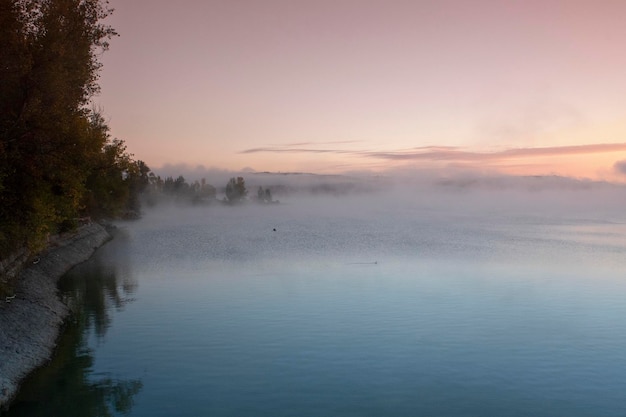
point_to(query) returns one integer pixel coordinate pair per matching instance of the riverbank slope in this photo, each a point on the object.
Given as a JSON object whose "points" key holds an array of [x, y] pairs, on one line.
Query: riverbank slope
{"points": [[30, 322]]}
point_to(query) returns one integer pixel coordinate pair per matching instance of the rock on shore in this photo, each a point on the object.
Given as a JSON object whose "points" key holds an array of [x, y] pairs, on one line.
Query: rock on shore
{"points": [[30, 322]]}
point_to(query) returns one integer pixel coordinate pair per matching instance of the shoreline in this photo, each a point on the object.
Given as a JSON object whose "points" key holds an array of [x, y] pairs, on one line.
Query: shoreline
{"points": [[30, 323]]}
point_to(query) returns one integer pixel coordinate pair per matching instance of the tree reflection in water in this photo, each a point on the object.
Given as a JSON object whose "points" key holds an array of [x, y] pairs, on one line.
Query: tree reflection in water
{"points": [[66, 386]]}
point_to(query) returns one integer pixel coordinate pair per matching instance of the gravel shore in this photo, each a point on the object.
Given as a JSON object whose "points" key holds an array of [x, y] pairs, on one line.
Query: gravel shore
{"points": [[30, 322]]}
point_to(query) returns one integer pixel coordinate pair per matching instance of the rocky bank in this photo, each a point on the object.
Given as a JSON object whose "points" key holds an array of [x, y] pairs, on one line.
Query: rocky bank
{"points": [[30, 322]]}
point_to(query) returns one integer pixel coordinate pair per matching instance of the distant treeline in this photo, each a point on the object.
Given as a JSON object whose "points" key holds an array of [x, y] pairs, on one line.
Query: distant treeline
{"points": [[58, 163], [178, 189], [198, 192]]}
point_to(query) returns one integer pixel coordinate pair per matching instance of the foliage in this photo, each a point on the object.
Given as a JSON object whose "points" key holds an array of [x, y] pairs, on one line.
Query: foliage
{"points": [[157, 189], [115, 182], [264, 196], [236, 190], [57, 161]]}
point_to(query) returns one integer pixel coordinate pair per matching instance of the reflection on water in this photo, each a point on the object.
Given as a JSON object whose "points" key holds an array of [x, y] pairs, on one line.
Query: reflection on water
{"points": [[67, 386], [97, 288]]}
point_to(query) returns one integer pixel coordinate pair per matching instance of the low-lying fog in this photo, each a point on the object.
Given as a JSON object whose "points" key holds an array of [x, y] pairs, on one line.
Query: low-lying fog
{"points": [[367, 219], [555, 198]]}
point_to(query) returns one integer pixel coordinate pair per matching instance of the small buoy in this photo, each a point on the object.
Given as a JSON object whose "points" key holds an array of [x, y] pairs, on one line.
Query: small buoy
{"points": [[274, 229]]}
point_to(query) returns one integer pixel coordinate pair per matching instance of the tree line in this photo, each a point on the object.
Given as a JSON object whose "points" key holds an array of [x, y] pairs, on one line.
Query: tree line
{"points": [[58, 162], [179, 189]]}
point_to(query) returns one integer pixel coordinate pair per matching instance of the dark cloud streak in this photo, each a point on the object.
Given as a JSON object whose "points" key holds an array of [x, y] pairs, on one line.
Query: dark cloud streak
{"points": [[336, 142], [443, 153], [294, 150]]}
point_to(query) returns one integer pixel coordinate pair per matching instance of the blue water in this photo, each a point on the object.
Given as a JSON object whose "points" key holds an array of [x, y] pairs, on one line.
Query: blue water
{"points": [[347, 310]]}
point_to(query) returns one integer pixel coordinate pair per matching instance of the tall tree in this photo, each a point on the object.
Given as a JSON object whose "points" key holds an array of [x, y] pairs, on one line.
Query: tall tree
{"points": [[49, 138], [236, 190]]}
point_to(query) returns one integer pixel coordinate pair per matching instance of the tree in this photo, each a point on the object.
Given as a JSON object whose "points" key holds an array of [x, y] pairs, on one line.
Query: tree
{"points": [[180, 185], [50, 141], [236, 190], [207, 191], [264, 195]]}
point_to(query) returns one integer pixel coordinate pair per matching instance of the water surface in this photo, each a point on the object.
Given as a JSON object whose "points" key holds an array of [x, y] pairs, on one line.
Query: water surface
{"points": [[345, 310]]}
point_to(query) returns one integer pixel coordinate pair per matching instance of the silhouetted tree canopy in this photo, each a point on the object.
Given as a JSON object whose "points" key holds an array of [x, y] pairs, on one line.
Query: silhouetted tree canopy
{"points": [[236, 189]]}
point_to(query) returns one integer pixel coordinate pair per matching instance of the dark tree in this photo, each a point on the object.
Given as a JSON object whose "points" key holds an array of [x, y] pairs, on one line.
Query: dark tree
{"points": [[57, 161], [236, 190], [264, 195]]}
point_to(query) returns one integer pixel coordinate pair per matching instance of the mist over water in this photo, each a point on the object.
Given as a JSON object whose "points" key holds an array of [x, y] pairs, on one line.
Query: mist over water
{"points": [[411, 300], [415, 221]]}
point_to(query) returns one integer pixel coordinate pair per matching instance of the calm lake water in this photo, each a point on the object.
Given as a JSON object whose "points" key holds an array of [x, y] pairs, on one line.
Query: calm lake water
{"points": [[348, 308]]}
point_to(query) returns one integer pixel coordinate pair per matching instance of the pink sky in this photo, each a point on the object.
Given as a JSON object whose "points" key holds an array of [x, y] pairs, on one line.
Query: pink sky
{"points": [[343, 85]]}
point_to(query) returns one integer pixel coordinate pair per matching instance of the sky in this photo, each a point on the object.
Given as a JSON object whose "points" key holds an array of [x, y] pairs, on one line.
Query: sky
{"points": [[534, 87]]}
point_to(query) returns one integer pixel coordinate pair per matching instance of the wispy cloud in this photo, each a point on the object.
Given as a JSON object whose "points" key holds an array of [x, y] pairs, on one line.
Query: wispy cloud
{"points": [[457, 154], [447, 153], [303, 147], [293, 150], [335, 142]]}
